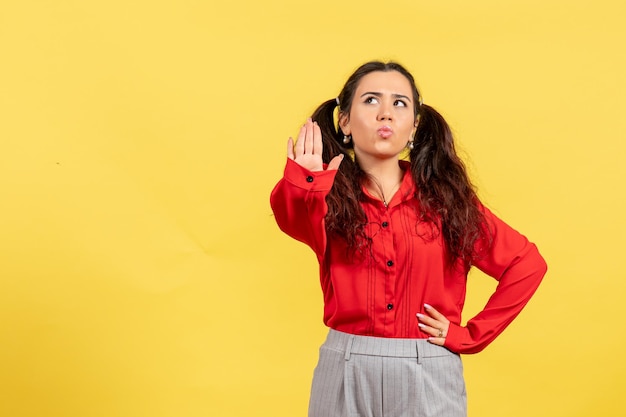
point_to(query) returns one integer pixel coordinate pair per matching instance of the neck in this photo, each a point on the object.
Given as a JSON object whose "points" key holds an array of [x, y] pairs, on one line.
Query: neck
{"points": [[384, 179], [385, 171]]}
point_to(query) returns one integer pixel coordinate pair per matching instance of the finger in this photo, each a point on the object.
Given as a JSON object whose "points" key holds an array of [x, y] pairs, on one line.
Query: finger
{"points": [[290, 154], [428, 321], [428, 329], [317, 139], [437, 336], [335, 162], [434, 313], [308, 137], [435, 328], [439, 341], [300, 143]]}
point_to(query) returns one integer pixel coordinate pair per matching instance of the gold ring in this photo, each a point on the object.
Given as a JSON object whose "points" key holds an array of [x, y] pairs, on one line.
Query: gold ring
{"points": [[440, 332]]}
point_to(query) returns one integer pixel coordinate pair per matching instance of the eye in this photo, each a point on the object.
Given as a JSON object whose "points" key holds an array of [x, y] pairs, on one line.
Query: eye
{"points": [[399, 103], [371, 100]]}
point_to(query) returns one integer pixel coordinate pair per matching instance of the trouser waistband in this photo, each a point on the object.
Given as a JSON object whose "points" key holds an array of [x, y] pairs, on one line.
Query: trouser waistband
{"points": [[352, 344]]}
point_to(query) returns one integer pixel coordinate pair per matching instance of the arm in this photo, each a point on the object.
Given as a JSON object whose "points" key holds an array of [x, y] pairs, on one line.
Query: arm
{"points": [[519, 268], [299, 198]]}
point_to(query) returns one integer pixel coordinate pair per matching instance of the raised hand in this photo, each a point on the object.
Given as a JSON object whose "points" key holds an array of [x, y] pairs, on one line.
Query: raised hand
{"points": [[435, 324], [307, 151]]}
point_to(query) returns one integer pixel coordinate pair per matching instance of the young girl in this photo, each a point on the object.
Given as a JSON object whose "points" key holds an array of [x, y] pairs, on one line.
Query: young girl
{"points": [[395, 240]]}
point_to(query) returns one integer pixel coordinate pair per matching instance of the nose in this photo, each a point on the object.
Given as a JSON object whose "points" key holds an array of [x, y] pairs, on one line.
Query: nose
{"points": [[384, 112]]}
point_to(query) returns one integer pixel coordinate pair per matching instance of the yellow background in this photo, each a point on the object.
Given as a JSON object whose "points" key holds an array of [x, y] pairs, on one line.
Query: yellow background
{"points": [[141, 271]]}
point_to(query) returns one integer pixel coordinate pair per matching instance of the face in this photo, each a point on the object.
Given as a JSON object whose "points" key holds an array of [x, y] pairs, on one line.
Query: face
{"points": [[381, 119]]}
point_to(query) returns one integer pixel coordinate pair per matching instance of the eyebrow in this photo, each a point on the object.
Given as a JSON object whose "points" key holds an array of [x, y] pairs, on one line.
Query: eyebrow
{"points": [[380, 95]]}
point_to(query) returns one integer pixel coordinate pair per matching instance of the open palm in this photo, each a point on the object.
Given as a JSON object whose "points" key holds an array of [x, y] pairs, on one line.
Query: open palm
{"points": [[307, 151]]}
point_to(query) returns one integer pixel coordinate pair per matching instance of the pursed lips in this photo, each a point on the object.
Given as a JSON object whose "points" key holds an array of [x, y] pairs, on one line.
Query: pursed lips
{"points": [[385, 132]]}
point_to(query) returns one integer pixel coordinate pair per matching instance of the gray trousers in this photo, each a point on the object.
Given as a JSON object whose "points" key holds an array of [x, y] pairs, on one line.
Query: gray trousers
{"points": [[363, 376]]}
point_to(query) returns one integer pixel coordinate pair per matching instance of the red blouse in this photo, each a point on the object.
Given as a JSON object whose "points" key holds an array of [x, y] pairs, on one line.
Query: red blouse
{"points": [[380, 294]]}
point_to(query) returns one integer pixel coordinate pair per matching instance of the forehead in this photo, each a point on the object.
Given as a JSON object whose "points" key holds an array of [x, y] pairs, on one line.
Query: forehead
{"points": [[391, 82]]}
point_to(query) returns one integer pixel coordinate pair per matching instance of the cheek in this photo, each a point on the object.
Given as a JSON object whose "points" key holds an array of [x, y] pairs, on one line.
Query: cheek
{"points": [[409, 126], [358, 122]]}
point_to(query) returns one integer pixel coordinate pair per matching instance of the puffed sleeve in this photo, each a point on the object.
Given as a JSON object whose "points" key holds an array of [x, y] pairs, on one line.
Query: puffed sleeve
{"points": [[519, 268], [299, 204]]}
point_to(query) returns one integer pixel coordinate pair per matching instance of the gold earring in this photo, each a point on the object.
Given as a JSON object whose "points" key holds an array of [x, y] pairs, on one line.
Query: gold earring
{"points": [[346, 139]]}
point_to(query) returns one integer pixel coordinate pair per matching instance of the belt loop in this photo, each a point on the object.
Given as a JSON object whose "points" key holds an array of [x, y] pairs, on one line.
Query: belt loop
{"points": [[417, 352], [349, 347]]}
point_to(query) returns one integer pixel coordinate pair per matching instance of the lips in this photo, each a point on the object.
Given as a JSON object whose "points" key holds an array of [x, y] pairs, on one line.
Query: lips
{"points": [[385, 132]]}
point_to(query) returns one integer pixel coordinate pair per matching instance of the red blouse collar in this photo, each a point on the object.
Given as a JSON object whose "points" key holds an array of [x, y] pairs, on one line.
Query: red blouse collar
{"points": [[404, 193]]}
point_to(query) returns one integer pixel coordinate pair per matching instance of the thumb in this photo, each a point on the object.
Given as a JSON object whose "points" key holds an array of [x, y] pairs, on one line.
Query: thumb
{"points": [[334, 163]]}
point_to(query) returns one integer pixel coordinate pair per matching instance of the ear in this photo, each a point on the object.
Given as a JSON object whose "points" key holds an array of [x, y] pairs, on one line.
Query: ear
{"points": [[415, 125], [414, 130], [344, 123]]}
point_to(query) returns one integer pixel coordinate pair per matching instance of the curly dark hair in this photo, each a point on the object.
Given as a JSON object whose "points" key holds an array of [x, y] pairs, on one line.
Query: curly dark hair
{"points": [[447, 198]]}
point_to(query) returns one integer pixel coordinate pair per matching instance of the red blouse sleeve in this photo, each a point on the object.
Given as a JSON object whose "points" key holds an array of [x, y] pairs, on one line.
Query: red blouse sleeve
{"points": [[299, 204], [519, 268]]}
